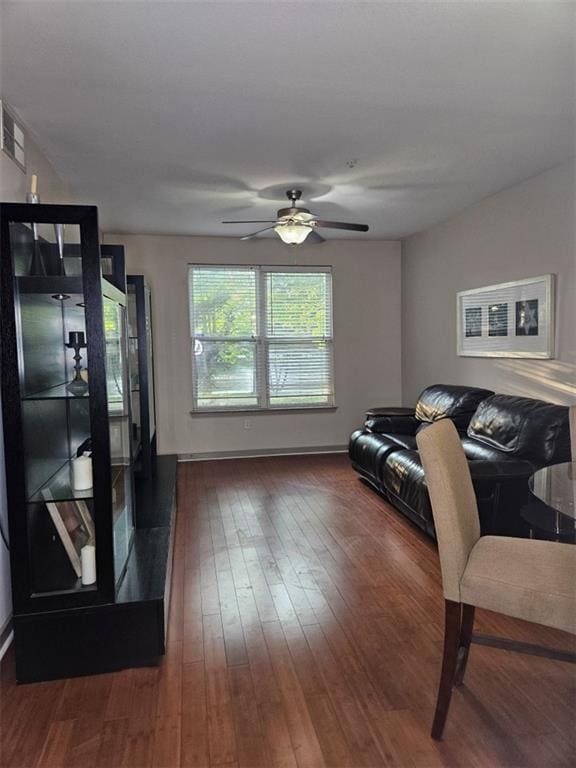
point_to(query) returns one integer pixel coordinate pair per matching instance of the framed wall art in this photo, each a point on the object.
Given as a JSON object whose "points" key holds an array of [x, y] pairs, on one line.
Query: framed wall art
{"points": [[73, 522], [507, 320]]}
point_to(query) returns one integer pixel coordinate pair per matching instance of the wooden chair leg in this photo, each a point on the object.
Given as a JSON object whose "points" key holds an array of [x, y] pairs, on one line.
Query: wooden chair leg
{"points": [[466, 628], [452, 625]]}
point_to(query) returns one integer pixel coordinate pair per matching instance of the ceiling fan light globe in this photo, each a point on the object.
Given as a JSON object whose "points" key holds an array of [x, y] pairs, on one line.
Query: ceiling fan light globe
{"points": [[292, 233]]}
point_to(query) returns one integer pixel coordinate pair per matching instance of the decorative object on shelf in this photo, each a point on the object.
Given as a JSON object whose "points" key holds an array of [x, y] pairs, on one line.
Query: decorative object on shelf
{"points": [[37, 266], [59, 232], [82, 472], [88, 564], [74, 526], [513, 319], [76, 341]]}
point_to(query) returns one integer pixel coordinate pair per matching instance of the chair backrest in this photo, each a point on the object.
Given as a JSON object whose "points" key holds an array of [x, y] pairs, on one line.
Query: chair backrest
{"points": [[453, 500], [573, 431]]}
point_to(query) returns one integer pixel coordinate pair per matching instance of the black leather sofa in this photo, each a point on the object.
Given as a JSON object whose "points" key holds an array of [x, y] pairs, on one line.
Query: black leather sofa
{"points": [[505, 438]]}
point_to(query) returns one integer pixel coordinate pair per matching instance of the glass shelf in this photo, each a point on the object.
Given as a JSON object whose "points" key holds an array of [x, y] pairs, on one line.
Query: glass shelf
{"points": [[58, 392], [59, 487], [76, 586], [52, 284]]}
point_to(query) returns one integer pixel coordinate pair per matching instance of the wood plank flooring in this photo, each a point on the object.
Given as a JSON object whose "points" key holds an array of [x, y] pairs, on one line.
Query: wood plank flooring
{"points": [[305, 630]]}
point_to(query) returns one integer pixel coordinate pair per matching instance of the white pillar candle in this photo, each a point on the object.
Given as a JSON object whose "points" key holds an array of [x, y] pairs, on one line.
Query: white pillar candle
{"points": [[82, 473], [88, 564]]}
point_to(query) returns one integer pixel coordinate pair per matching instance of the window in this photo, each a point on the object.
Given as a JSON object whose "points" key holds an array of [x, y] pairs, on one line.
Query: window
{"points": [[12, 136], [261, 337]]}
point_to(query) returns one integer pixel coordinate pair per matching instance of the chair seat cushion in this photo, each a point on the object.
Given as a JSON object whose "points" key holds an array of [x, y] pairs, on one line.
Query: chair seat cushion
{"points": [[531, 580]]}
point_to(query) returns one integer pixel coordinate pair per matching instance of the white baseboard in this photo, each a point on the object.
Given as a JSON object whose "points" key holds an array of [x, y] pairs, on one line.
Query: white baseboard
{"points": [[258, 454]]}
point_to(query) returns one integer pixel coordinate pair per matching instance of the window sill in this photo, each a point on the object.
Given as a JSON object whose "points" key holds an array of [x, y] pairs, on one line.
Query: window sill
{"points": [[267, 411]]}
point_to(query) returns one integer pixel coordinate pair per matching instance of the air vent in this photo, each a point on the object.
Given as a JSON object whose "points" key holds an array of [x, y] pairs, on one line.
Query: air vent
{"points": [[12, 136]]}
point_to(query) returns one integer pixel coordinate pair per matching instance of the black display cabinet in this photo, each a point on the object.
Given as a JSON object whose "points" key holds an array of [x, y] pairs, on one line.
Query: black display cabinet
{"points": [[83, 598], [141, 352]]}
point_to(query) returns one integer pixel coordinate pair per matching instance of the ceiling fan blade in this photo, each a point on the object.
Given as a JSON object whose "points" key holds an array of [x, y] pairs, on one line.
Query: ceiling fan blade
{"points": [[254, 234], [314, 239], [251, 221], [342, 225]]}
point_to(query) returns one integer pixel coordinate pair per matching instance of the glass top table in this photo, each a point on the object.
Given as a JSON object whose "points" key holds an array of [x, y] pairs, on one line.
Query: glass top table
{"points": [[551, 508]]}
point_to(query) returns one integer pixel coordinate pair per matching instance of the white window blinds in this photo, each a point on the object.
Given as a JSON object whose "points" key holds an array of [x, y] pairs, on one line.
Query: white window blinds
{"points": [[261, 337]]}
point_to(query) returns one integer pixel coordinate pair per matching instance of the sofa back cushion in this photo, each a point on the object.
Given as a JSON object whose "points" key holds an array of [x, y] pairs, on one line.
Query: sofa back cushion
{"points": [[446, 401], [526, 428]]}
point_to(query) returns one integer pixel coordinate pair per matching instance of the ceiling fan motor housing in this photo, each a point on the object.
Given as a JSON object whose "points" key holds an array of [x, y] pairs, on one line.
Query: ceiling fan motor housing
{"points": [[283, 212]]}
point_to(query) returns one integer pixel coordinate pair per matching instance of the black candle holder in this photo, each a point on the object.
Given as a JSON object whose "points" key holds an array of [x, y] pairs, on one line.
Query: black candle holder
{"points": [[76, 341]]}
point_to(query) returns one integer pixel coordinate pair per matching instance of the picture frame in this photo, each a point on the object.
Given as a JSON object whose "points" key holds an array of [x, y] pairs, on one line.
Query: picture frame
{"points": [[74, 525], [514, 319]]}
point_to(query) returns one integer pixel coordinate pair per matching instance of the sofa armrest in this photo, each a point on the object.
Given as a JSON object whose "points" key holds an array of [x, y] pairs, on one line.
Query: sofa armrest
{"points": [[393, 425]]}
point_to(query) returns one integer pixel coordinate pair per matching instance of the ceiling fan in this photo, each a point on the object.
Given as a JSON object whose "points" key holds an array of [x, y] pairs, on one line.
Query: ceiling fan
{"points": [[296, 224]]}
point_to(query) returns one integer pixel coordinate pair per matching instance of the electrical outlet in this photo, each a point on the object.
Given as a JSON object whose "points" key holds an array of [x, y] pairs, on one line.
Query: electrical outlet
{"points": [[247, 423]]}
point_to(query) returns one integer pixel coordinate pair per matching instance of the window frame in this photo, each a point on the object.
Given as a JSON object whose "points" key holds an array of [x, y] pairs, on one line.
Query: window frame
{"points": [[262, 341], [17, 124]]}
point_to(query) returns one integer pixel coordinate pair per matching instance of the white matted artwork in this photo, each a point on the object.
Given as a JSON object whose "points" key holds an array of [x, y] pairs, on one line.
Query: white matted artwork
{"points": [[508, 320]]}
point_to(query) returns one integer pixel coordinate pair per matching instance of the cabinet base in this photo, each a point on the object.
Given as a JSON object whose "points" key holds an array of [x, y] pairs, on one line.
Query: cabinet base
{"points": [[130, 632]]}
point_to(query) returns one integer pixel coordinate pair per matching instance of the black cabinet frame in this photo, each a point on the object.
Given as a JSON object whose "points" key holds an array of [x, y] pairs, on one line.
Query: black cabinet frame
{"points": [[92, 286], [147, 436], [121, 621]]}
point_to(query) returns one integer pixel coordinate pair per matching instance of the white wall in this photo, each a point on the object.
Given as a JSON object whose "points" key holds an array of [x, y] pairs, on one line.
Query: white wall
{"points": [[14, 183], [13, 186], [366, 330], [524, 231]]}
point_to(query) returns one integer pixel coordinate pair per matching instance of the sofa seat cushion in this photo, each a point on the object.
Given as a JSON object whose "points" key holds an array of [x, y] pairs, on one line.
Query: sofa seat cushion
{"points": [[402, 475], [531, 580], [442, 401], [402, 442], [526, 428], [476, 450]]}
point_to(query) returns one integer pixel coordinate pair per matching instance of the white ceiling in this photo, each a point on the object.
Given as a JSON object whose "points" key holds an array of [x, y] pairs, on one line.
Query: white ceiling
{"points": [[172, 116]]}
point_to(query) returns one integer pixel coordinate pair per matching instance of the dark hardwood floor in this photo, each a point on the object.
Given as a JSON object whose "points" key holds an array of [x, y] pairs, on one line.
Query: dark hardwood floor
{"points": [[305, 630]]}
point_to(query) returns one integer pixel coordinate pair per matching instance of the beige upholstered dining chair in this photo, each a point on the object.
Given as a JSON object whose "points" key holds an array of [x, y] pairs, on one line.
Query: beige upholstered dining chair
{"points": [[525, 578]]}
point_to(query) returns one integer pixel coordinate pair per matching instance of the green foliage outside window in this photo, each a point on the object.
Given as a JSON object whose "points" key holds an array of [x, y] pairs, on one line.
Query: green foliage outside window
{"points": [[294, 306]]}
